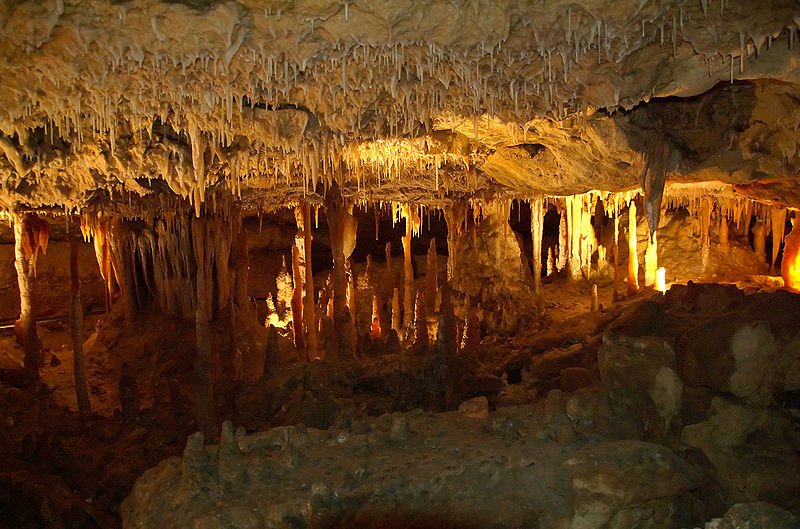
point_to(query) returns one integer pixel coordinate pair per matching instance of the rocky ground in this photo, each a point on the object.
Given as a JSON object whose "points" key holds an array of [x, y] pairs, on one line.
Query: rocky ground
{"points": [[694, 417]]}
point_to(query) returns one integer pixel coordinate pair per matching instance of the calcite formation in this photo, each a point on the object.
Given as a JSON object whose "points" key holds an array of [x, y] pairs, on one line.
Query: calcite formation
{"points": [[266, 100]]}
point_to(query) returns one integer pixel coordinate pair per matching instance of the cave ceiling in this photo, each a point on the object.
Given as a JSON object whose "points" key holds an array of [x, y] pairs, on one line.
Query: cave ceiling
{"points": [[419, 101]]}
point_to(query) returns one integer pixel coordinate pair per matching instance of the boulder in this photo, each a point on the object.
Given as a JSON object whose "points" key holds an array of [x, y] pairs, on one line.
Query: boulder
{"points": [[756, 515], [639, 375]]}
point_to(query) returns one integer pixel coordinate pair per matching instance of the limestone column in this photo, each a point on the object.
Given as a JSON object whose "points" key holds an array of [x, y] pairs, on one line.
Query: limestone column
{"points": [[76, 331], [408, 272], [309, 307], [297, 300], [204, 361], [24, 253], [537, 217], [633, 257]]}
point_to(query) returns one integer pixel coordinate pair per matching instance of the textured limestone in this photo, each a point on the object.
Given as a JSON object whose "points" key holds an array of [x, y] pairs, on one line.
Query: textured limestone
{"points": [[394, 101]]}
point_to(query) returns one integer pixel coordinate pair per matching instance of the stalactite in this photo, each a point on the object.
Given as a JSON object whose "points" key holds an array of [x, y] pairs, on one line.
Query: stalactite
{"points": [[76, 331], [297, 301], [651, 260], [27, 298], [453, 215], [122, 266], [431, 279], [724, 242], [706, 208], [537, 218], [309, 311], [633, 257], [778, 217]]}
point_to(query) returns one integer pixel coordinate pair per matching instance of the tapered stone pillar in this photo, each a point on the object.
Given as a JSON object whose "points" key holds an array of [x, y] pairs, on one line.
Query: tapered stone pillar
{"points": [[76, 331], [25, 248]]}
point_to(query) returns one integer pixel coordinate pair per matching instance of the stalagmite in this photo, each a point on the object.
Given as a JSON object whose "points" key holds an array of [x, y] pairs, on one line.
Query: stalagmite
{"points": [[537, 208], [25, 247], [448, 347], [790, 265], [595, 299], [285, 291], [431, 279], [651, 260], [397, 320], [778, 217], [760, 240], [309, 307], [633, 257], [661, 280], [297, 300], [271, 350], [375, 328], [76, 331], [420, 322]]}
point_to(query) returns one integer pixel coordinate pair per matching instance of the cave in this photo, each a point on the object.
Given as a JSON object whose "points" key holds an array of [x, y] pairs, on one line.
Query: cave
{"points": [[428, 264]]}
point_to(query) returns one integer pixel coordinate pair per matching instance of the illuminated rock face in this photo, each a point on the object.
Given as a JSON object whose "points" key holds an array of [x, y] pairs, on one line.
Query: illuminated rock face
{"points": [[392, 101]]}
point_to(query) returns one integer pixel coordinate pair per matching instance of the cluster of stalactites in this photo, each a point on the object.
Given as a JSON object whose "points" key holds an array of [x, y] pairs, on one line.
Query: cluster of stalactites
{"points": [[239, 105], [155, 260]]}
